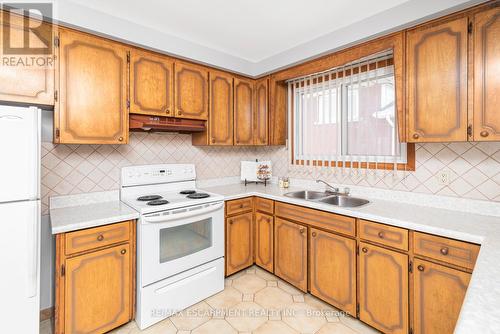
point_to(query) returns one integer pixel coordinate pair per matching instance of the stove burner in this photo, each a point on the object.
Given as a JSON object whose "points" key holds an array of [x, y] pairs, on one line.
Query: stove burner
{"points": [[148, 198], [187, 192], [158, 202], [198, 195]]}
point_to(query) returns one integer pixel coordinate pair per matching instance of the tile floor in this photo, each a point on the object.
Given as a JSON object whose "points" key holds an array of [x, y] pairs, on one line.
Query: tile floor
{"points": [[254, 301]]}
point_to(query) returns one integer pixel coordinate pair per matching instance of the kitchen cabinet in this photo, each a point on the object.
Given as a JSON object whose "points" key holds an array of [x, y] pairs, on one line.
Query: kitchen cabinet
{"points": [[95, 278], [290, 252], [437, 82], [220, 125], [332, 269], [151, 84], [261, 114], [264, 241], [25, 82], [438, 292], [239, 242], [486, 37], [243, 111], [191, 91], [278, 92], [93, 90], [383, 288]]}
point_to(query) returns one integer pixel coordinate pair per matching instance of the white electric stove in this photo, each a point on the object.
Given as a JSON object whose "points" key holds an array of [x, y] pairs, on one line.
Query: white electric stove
{"points": [[180, 239]]}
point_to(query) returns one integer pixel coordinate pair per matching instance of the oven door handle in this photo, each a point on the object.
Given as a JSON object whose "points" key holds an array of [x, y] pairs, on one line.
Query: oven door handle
{"points": [[190, 213]]}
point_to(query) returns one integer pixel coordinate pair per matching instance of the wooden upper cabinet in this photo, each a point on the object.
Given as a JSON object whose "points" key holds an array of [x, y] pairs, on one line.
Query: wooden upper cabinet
{"points": [[27, 83], [261, 114], [264, 235], [191, 91], [98, 290], [243, 111], [332, 269], [277, 112], [486, 43], [239, 242], [220, 127], [290, 252], [93, 90], [437, 82], [151, 84], [383, 289], [438, 296]]}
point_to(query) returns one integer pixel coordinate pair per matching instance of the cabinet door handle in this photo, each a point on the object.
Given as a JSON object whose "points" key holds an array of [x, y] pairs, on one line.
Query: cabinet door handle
{"points": [[123, 251], [302, 230], [381, 235], [484, 133], [167, 111], [444, 250], [231, 222], [120, 139], [314, 234], [415, 136], [420, 267], [213, 140], [100, 237], [364, 249], [179, 111]]}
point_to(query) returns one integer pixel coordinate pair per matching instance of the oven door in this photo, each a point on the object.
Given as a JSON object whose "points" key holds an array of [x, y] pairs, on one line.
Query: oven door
{"points": [[177, 240]]}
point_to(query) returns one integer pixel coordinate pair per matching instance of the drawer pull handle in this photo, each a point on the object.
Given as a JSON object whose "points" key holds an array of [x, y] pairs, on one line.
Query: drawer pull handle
{"points": [[381, 235], [420, 267], [314, 234], [484, 133], [100, 237], [444, 250], [123, 251], [241, 206], [364, 249]]}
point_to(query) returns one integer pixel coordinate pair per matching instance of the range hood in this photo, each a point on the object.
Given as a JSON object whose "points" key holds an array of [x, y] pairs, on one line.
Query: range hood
{"points": [[162, 123]]}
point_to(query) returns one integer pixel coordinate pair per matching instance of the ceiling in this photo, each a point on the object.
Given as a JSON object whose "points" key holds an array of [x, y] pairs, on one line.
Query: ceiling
{"points": [[250, 37]]}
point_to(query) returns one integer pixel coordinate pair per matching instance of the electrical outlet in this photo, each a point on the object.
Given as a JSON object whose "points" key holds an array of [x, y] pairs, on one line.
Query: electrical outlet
{"points": [[443, 177]]}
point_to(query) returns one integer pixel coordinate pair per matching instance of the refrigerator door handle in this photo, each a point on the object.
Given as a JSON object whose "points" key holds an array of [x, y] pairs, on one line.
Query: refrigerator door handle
{"points": [[37, 140], [33, 249]]}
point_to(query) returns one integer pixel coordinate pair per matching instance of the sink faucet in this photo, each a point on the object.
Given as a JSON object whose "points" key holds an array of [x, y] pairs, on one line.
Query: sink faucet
{"points": [[329, 187]]}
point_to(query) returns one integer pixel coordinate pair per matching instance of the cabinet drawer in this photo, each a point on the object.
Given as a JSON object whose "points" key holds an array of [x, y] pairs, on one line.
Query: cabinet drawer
{"points": [[91, 238], [459, 253], [239, 206], [386, 235], [264, 205], [317, 218]]}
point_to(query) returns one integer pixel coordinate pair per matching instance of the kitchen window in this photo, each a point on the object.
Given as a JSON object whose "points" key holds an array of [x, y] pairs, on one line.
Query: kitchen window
{"points": [[347, 116]]}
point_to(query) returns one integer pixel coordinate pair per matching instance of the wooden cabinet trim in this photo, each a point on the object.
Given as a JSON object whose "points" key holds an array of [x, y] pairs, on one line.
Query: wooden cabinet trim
{"points": [[97, 237], [202, 74], [317, 218], [245, 218], [264, 205], [237, 206], [243, 132], [214, 122], [264, 260]]}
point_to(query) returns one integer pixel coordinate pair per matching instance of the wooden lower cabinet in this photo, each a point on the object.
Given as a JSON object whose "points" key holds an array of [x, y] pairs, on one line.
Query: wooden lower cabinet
{"points": [[239, 242], [438, 292], [332, 269], [383, 289], [290, 252], [95, 288], [264, 233]]}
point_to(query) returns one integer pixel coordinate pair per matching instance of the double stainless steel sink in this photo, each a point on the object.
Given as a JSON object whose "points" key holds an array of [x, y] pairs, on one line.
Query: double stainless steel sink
{"points": [[327, 197]]}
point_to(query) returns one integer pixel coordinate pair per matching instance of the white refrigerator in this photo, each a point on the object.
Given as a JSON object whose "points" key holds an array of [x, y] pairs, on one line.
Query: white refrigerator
{"points": [[20, 219]]}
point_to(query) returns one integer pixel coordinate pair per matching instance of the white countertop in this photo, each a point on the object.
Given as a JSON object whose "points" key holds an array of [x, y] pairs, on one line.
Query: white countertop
{"points": [[480, 312], [76, 212]]}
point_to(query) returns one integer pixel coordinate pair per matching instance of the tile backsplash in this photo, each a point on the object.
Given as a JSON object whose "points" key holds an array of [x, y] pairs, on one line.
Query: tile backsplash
{"points": [[473, 168]]}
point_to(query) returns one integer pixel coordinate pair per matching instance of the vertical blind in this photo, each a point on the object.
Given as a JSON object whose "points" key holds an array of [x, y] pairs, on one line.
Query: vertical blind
{"points": [[346, 116]]}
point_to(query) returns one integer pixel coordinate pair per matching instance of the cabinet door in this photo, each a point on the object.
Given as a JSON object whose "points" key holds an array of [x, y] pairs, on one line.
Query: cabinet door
{"points": [[332, 271], [20, 81], [97, 291], [290, 252], [243, 111], [221, 109], [438, 295], [437, 82], [261, 116], [487, 75], [191, 91], [264, 232], [93, 85], [151, 84], [239, 242], [383, 289]]}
